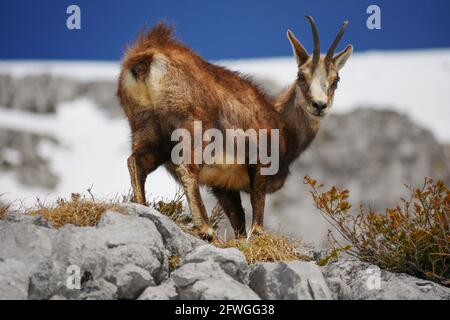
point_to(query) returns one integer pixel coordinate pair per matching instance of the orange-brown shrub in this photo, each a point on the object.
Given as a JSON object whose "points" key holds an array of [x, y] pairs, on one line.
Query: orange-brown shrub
{"points": [[413, 237]]}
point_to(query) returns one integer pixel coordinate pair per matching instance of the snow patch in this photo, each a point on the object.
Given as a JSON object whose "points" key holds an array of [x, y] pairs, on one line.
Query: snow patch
{"points": [[92, 152]]}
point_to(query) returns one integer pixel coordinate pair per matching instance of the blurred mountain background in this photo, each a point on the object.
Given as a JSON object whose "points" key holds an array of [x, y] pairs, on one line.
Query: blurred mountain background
{"points": [[62, 130]]}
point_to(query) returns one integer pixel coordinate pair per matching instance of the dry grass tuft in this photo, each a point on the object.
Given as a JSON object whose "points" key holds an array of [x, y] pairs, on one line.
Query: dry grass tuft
{"points": [[78, 211], [267, 247], [217, 216], [413, 237], [174, 261], [3, 211]]}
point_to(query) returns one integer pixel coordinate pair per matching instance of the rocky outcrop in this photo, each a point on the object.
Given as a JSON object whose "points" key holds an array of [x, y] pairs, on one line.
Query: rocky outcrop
{"points": [[126, 256], [352, 279], [207, 281], [212, 273], [165, 291], [120, 257], [297, 280], [20, 156], [42, 93]]}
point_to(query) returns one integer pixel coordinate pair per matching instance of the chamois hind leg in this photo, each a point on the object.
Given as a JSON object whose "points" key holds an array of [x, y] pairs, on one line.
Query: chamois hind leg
{"points": [[189, 178], [230, 201], [139, 166], [257, 199]]}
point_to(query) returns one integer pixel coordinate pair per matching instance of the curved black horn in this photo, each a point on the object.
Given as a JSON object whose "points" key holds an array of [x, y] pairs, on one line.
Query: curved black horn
{"points": [[330, 52], [316, 52]]}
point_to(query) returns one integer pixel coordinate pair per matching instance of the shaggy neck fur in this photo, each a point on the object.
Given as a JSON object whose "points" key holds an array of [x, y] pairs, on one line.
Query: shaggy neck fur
{"points": [[300, 127]]}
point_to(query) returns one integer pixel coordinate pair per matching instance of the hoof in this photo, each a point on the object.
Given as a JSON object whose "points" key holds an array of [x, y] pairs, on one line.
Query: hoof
{"points": [[207, 233], [255, 231]]}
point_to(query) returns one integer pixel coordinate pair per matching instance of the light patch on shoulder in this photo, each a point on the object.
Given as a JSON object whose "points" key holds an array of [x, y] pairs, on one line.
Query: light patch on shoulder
{"points": [[146, 93]]}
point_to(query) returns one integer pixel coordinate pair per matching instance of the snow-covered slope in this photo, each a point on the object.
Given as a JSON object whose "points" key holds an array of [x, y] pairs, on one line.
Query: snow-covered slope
{"points": [[80, 70], [94, 147]]}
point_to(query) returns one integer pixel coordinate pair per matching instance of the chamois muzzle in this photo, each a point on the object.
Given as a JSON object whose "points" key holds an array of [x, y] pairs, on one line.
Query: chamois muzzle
{"points": [[319, 108]]}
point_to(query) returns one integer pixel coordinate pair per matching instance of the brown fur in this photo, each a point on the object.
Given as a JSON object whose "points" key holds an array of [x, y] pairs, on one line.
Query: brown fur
{"points": [[164, 85]]}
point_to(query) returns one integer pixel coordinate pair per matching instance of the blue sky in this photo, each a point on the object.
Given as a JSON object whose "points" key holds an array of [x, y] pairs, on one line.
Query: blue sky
{"points": [[36, 29]]}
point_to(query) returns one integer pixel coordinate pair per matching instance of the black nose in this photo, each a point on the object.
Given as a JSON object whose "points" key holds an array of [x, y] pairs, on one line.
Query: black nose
{"points": [[319, 105]]}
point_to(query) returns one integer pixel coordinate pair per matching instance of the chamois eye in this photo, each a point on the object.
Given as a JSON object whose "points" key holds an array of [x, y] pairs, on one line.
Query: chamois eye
{"points": [[301, 76], [335, 82]]}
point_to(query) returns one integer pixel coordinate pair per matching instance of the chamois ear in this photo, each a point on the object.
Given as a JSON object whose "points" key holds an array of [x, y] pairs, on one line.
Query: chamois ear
{"points": [[300, 53], [340, 59]]}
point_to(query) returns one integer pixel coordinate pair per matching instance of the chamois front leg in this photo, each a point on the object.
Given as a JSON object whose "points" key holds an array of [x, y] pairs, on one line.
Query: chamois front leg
{"points": [[188, 175], [257, 199], [230, 201]]}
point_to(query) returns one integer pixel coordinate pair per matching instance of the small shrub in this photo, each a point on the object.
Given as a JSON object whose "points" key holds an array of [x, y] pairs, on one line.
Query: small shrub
{"points": [[332, 254], [413, 237], [172, 208], [79, 211]]}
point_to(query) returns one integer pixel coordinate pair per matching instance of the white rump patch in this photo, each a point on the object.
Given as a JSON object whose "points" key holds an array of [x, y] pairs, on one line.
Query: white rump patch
{"points": [[158, 68], [128, 79], [147, 93]]}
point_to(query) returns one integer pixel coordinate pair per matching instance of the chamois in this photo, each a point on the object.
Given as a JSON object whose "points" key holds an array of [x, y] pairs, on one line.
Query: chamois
{"points": [[164, 85]]}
